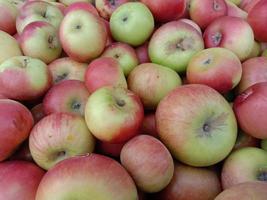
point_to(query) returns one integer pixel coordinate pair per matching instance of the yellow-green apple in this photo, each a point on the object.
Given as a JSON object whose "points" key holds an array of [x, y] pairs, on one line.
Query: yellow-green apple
{"points": [[90, 177], [250, 109], [224, 31], [243, 165], [22, 153], [166, 10], [38, 11], [109, 149], [59, 136], [125, 54], [125, 20], [173, 44], [142, 53], [254, 70], [245, 140], [104, 71], [264, 144], [197, 125], [149, 163], [8, 14], [192, 23], [69, 2], [217, 67], [67, 69], [203, 12], [16, 124], [38, 112], [19, 180], [80, 5], [234, 11], [73, 101], [256, 50], [149, 125], [24, 72], [257, 18], [152, 82], [107, 7], [114, 114], [9, 46], [245, 191], [40, 40], [247, 5], [191, 183], [83, 35]]}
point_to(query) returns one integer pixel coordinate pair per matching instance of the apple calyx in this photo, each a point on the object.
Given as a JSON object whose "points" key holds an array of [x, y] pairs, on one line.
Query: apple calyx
{"points": [[60, 155], [75, 105], [61, 77], [52, 42], [216, 38], [262, 174], [216, 6], [120, 102], [207, 61], [25, 63]]}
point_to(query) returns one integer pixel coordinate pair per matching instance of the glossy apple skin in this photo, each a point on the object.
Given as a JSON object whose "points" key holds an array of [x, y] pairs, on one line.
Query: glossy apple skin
{"points": [[149, 125], [109, 149], [245, 191], [250, 109], [16, 124], [254, 70], [203, 12], [152, 82], [156, 161], [104, 71], [124, 54], [24, 72], [84, 176], [232, 33], [245, 140], [67, 69], [257, 18], [33, 41], [165, 11], [58, 100], [83, 35], [243, 165], [114, 114], [218, 68], [59, 136], [142, 53], [191, 183], [9, 47], [81, 6], [8, 14], [197, 125], [181, 40], [14, 175]]}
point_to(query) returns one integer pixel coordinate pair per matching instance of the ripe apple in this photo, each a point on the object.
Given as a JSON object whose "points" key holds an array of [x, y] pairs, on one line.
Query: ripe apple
{"points": [[254, 70], [218, 68], [149, 125], [232, 33], [114, 114], [19, 180], [234, 11], [9, 47], [257, 18], [37, 112], [173, 44], [87, 177], [80, 5], [245, 140], [107, 7], [166, 10], [250, 109], [152, 82], [102, 72], [67, 69], [243, 165], [109, 149], [69, 2], [59, 136], [203, 12], [191, 183], [38, 11], [132, 23], [197, 125], [16, 123], [156, 163], [24, 72], [8, 14], [40, 40], [125, 54], [83, 35], [142, 53], [73, 101], [109, 37], [245, 191]]}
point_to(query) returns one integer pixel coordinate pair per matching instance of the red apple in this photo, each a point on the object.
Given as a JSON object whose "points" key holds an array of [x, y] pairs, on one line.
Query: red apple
{"points": [[149, 125], [79, 5], [38, 112], [149, 163], [16, 123], [110, 149], [142, 53], [19, 180]]}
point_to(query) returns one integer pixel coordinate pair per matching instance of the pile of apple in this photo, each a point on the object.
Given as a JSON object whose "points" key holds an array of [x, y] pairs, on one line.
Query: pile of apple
{"points": [[133, 100]]}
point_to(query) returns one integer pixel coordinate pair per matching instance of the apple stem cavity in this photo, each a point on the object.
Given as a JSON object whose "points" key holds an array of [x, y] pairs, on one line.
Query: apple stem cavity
{"points": [[216, 5], [262, 175], [120, 102], [61, 77], [25, 62], [75, 105]]}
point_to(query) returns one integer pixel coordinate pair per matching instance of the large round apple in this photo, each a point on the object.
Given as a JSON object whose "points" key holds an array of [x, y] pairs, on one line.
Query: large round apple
{"points": [[197, 124], [91, 177]]}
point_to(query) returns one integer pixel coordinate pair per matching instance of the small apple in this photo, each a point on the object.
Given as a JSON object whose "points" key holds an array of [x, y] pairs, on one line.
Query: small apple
{"points": [[8, 14]]}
